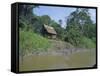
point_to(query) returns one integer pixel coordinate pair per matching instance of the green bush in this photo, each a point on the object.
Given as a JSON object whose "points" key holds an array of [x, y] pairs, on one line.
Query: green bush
{"points": [[94, 39], [87, 43], [29, 41]]}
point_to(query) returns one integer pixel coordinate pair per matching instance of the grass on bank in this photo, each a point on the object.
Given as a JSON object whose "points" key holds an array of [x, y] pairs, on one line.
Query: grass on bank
{"points": [[29, 41]]}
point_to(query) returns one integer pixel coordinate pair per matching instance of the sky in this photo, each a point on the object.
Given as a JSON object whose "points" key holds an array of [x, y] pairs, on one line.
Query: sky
{"points": [[57, 13]]}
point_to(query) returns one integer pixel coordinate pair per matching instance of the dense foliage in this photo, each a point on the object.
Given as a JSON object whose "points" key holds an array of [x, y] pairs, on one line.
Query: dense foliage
{"points": [[79, 24]]}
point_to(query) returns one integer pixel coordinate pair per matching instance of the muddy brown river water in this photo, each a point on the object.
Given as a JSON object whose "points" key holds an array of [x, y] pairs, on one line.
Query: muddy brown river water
{"points": [[58, 60]]}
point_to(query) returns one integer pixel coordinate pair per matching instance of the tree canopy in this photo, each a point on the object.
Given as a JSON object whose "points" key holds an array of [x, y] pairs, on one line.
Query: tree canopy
{"points": [[79, 24]]}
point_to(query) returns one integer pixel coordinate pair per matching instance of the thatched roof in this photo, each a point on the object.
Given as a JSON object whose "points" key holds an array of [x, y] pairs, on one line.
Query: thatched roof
{"points": [[50, 29]]}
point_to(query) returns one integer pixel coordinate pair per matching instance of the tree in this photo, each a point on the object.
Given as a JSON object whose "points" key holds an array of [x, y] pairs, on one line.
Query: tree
{"points": [[80, 17], [79, 24], [26, 15], [73, 35], [45, 19], [26, 10], [60, 22], [39, 21], [90, 30]]}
